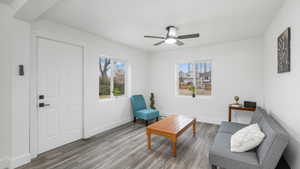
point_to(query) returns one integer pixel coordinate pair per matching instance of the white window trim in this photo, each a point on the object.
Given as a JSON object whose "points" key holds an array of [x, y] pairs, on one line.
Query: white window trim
{"points": [[112, 97], [194, 71]]}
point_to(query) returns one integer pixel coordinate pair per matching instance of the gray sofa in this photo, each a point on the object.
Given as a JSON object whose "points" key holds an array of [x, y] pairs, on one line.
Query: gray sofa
{"points": [[266, 156]]}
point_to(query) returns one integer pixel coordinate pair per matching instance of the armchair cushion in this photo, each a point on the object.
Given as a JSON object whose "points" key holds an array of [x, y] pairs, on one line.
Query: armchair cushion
{"points": [[138, 103], [140, 109], [147, 114]]}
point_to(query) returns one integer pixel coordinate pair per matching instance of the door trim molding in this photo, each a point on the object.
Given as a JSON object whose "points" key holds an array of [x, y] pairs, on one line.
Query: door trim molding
{"points": [[33, 126]]}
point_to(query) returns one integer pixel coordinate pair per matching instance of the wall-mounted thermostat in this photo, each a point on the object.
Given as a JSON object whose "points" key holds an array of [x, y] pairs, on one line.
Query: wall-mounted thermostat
{"points": [[21, 70]]}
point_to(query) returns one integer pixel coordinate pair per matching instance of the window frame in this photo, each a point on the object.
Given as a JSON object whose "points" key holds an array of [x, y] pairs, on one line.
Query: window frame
{"points": [[193, 62], [112, 96]]}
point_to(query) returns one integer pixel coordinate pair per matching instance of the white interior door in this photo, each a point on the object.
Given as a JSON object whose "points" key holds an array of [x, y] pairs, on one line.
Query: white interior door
{"points": [[60, 70]]}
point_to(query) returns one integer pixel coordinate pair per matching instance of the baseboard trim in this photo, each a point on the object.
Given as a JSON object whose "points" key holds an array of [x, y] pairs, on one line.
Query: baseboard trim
{"points": [[4, 163], [102, 129], [20, 160], [210, 121]]}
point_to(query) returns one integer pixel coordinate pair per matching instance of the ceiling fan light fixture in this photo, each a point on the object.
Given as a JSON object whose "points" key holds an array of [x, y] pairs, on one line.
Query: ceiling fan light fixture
{"points": [[172, 38], [172, 31], [170, 41]]}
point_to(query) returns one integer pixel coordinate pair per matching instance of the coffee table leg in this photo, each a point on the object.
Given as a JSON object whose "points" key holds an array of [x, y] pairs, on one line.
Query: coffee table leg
{"points": [[174, 140], [229, 114], [194, 128], [149, 140]]}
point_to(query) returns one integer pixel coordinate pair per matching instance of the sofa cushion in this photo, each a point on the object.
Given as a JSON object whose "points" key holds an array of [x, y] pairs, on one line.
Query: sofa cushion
{"points": [[276, 140], [230, 127], [267, 154], [258, 115], [221, 155]]}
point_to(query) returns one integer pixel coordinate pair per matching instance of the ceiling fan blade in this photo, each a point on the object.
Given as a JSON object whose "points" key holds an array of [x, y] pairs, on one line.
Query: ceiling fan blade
{"points": [[196, 35], [179, 43], [159, 43], [155, 37]]}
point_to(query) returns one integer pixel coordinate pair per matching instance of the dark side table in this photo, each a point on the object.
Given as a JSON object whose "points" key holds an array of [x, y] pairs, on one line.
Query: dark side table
{"points": [[238, 108]]}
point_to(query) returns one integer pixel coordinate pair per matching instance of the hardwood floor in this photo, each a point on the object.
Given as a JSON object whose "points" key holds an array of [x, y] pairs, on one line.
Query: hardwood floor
{"points": [[125, 147]]}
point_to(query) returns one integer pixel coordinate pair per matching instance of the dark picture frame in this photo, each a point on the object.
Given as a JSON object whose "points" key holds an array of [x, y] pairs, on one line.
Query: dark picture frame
{"points": [[284, 52]]}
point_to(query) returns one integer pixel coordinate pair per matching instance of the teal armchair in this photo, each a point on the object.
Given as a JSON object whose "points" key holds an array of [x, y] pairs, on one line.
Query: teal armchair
{"points": [[140, 110]]}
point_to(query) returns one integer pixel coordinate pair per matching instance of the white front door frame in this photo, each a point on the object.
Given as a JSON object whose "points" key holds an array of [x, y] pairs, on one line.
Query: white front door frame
{"points": [[33, 97]]}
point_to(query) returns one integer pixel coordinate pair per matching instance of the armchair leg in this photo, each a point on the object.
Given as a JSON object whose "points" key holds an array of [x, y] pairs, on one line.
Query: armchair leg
{"points": [[214, 167], [146, 122], [157, 118], [134, 119]]}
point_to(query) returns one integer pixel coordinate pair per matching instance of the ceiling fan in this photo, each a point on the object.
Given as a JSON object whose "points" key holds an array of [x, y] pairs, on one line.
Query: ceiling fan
{"points": [[172, 38]]}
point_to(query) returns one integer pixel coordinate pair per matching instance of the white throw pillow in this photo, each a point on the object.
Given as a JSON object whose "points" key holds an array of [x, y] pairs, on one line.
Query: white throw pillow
{"points": [[246, 138]]}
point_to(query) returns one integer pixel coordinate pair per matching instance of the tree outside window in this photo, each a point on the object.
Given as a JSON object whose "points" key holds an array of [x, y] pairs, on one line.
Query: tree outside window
{"points": [[112, 78]]}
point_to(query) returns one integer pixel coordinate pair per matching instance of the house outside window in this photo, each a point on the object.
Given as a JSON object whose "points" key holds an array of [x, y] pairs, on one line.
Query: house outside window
{"points": [[194, 78]]}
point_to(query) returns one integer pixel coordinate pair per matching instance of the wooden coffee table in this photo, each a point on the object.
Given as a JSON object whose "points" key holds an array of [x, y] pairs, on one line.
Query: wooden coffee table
{"points": [[171, 127]]}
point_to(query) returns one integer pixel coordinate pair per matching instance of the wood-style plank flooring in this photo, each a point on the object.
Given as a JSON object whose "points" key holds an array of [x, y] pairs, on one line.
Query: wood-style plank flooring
{"points": [[125, 147]]}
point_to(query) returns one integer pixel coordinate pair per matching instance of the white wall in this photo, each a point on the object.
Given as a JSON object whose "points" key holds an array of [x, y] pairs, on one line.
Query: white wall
{"points": [[282, 90], [236, 70], [20, 32], [15, 45], [15, 42], [5, 87], [101, 115]]}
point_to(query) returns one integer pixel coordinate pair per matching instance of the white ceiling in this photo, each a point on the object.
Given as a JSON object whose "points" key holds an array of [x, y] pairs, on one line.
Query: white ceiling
{"points": [[127, 21], [6, 1]]}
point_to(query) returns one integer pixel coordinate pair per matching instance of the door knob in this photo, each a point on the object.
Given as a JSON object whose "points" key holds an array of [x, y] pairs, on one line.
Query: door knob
{"points": [[43, 105]]}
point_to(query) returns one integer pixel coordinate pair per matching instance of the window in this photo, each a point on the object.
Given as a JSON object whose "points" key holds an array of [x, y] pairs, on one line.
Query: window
{"points": [[194, 79], [112, 79]]}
